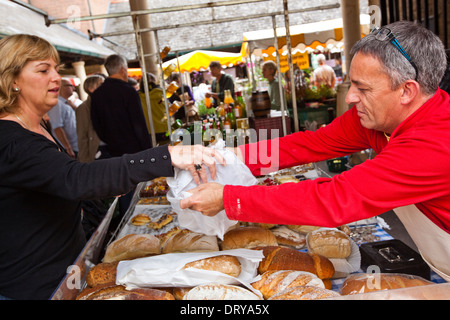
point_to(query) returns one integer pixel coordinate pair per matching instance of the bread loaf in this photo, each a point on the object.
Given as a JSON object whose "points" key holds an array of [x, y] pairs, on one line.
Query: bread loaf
{"points": [[220, 292], [102, 273], [229, 265], [140, 219], [304, 293], [272, 281], [189, 241], [88, 291], [248, 238], [180, 292], [288, 237], [330, 243], [369, 282], [132, 246], [280, 258], [120, 293]]}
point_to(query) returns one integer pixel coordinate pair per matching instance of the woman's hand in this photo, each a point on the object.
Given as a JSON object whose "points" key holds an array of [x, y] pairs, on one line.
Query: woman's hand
{"points": [[194, 158], [206, 198]]}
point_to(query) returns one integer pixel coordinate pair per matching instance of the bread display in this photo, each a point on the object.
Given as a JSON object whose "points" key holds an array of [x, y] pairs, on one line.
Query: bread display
{"points": [[369, 282], [189, 241], [281, 258], [248, 237], [229, 265], [289, 238], [272, 281], [102, 273], [330, 243], [220, 292], [304, 293], [132, 246], [118, 292]]}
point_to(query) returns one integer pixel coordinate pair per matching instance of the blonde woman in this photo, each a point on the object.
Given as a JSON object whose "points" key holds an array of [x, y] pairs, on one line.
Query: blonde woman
{"points": [[41, 185]]}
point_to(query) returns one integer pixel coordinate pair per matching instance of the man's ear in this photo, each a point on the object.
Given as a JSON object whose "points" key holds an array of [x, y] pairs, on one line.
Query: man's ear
{"points": [[410, 91]]}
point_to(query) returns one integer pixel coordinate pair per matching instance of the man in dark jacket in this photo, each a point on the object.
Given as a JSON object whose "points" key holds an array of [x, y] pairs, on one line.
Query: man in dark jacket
{"points": [[117, 116]]}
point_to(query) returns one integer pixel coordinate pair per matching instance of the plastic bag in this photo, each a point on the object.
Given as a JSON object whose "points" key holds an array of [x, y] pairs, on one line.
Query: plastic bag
{"points": [[234, 173]]}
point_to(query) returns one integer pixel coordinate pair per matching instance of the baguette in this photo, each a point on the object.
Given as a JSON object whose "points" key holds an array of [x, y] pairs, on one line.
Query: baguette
{"points": [[368, 282], [272, 282], [304, 293], [281, 258], [189, 241], [248, 237], [132, 246], [229, 265]]}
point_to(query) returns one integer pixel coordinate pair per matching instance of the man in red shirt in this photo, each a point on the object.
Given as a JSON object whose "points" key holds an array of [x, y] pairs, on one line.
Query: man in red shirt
{"points": [[398, 111]]}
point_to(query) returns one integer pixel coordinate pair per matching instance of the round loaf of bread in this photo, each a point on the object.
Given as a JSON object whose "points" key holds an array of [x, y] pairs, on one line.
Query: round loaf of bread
{"points": [[102, 273], [220, 292], [189, 241], [248, 238], [302, 229], [132, 246], [272, 282], [229, 265], [330, 243], [369, 282], [304, 293]]}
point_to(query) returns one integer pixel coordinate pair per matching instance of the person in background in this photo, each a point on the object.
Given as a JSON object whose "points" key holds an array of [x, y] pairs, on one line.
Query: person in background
{"points": [[222, 82], [189, 101], [399, 111], [324, 74], [134, 83], [42, 186], [117, 116], [157, 107], [88, 140], [269, 71], [63, 120]]}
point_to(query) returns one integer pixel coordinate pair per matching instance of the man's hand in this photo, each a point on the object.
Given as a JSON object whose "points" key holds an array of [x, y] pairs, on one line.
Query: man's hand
{"points": [[206, 198]]}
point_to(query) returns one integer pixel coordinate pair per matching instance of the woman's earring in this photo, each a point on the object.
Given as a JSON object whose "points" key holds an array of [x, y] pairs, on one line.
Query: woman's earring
{"points": [[16, 89]]}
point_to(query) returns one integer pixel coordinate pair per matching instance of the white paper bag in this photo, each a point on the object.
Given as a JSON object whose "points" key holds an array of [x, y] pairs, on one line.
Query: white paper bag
{"points": [[165, 270], [234, 173]]}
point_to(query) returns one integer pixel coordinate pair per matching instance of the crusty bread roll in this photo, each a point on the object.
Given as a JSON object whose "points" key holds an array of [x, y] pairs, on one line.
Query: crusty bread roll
{"points": [[369, 282], [229, 265], [132, 246], [304, 293], [102, 273], [281, 258], [140, 219], [189, 241], [273, 281], [88, 291], [220, 292], [330, 243], [248, 237], [289, 238]]}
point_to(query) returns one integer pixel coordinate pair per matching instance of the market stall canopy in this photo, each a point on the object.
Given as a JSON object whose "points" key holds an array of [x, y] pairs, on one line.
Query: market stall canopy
{"points": [[16, 19], [328, 34], [199, 60]]}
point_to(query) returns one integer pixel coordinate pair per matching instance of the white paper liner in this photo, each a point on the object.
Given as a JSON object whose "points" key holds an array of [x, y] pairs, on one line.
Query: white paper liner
{"points": [[342, 267], [166, 270]]}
